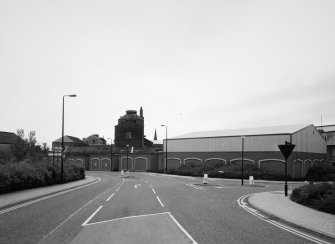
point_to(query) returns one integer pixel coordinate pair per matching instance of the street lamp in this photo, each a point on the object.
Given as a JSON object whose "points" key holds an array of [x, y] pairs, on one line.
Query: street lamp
{"points": [[62, 159], [166, 129], [111, 152], [242, 137], [127, 156]]}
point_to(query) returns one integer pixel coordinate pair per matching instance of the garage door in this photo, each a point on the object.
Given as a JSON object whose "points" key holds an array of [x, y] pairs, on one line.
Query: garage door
{"points": [[95, 164], [141, 164], [106, 164], [124, 164]]}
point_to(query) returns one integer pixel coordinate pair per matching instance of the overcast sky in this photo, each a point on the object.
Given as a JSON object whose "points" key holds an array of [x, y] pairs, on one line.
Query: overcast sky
{"points": [[193, 65]]}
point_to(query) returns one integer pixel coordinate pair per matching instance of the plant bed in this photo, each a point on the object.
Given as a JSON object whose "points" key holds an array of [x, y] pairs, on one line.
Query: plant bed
{"points": [[319, 196], [25, 175]]}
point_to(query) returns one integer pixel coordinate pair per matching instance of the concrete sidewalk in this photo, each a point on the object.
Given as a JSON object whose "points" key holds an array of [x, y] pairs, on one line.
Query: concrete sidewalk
{"points": [[13, 198], [276, 204]]}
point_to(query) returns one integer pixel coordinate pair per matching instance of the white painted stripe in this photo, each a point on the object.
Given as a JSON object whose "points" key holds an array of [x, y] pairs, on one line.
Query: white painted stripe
{"points": [[110, 197], [195, 187], [118, 189], [74, 214], [182, 229], [153, 190], [89, 218], [159, 200], [44, 198], [129, 217], [297, 232]]}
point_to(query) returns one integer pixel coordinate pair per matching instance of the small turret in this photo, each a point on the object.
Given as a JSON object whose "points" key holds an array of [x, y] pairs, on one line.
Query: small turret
{"points": [[141, 113]]}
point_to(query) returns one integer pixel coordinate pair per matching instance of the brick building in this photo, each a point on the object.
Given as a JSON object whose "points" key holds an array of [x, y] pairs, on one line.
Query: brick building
{"points": [[260, 148]]}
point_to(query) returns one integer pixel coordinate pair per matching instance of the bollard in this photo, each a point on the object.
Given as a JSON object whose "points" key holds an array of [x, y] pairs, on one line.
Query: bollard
{"points": [[127, 172], [251, 180], [205, 178], [122, 172]]}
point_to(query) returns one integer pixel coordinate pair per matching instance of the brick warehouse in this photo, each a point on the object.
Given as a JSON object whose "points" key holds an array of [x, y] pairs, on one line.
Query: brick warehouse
{"points": [[260, 148], [209, 147], [143, 154]]}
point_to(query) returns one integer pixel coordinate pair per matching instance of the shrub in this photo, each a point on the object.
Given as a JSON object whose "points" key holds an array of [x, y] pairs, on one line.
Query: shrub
{"points": [[23, 175], [321, 173], [319, 196]]}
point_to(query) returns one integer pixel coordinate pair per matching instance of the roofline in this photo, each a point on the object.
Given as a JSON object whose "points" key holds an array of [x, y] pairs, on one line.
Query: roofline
{"points": [[207, 137], [323, 125]]}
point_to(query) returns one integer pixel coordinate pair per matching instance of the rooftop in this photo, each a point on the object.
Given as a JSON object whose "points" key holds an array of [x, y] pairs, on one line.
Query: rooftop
{"points": [[326, 128], [7, 137], [288, 129]]}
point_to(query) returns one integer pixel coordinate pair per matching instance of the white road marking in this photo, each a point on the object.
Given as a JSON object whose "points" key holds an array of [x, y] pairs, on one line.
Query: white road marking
{"points": [[297, 232], [129, 217], [110, 197], [44, 198], [153, 190], [195, 187], [159, 200], [137, 185], [89, 218], [118, 189], [182, 229], [74, 214]]}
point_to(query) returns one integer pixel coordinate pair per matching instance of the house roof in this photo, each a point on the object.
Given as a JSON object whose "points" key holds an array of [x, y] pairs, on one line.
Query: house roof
{"points": [[326, 128], [70, 139], [287, 129], [7, 137]]}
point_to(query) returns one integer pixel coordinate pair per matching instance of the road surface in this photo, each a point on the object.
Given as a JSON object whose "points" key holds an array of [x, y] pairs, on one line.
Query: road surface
{"points": [[144, 208]]}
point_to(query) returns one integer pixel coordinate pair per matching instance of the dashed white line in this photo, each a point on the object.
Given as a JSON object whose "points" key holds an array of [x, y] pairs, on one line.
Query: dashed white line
{"points": [[153, 190], [159, 200], [110, 197], [89, 218], [118, 189]]}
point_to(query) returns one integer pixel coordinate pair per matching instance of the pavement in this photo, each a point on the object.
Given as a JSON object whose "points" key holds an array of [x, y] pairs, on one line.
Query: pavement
{"points": [[13, 198], [279, 207], [273, 204]]}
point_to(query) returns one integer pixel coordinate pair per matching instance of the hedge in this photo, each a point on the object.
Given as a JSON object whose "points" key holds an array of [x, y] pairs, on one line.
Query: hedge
{"points": [[24, 175], [319, 196]]}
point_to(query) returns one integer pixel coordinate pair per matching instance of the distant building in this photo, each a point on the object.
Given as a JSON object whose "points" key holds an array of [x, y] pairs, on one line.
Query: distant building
{"points": [[6, 140], [260, 148], [95, 140], [69, 141], [141, 154], [328, 132]]}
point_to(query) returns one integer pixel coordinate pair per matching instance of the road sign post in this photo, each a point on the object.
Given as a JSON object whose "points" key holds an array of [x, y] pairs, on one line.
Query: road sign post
{"points": [[286, 150]]}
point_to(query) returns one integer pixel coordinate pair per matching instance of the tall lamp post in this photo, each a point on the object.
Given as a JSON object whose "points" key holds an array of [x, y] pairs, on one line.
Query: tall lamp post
{"points": [[127, 156], [166, 129], [62, 157], [242, 137], [111, 153]]}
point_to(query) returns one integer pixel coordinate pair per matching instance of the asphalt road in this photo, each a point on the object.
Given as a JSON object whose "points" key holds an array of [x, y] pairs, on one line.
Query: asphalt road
{"points": [[144, 208]]}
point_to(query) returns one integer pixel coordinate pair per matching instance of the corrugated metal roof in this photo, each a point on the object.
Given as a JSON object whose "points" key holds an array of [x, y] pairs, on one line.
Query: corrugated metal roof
{"points": [[287, 129], [326, 128]]}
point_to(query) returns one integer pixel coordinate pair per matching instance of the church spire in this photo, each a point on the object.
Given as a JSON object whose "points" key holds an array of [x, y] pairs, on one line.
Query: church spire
{"points": [[155, 137]]}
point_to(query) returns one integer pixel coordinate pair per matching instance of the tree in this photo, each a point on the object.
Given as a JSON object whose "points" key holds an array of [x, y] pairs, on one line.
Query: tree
{"points": [[19, 148], [27, 148]]}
